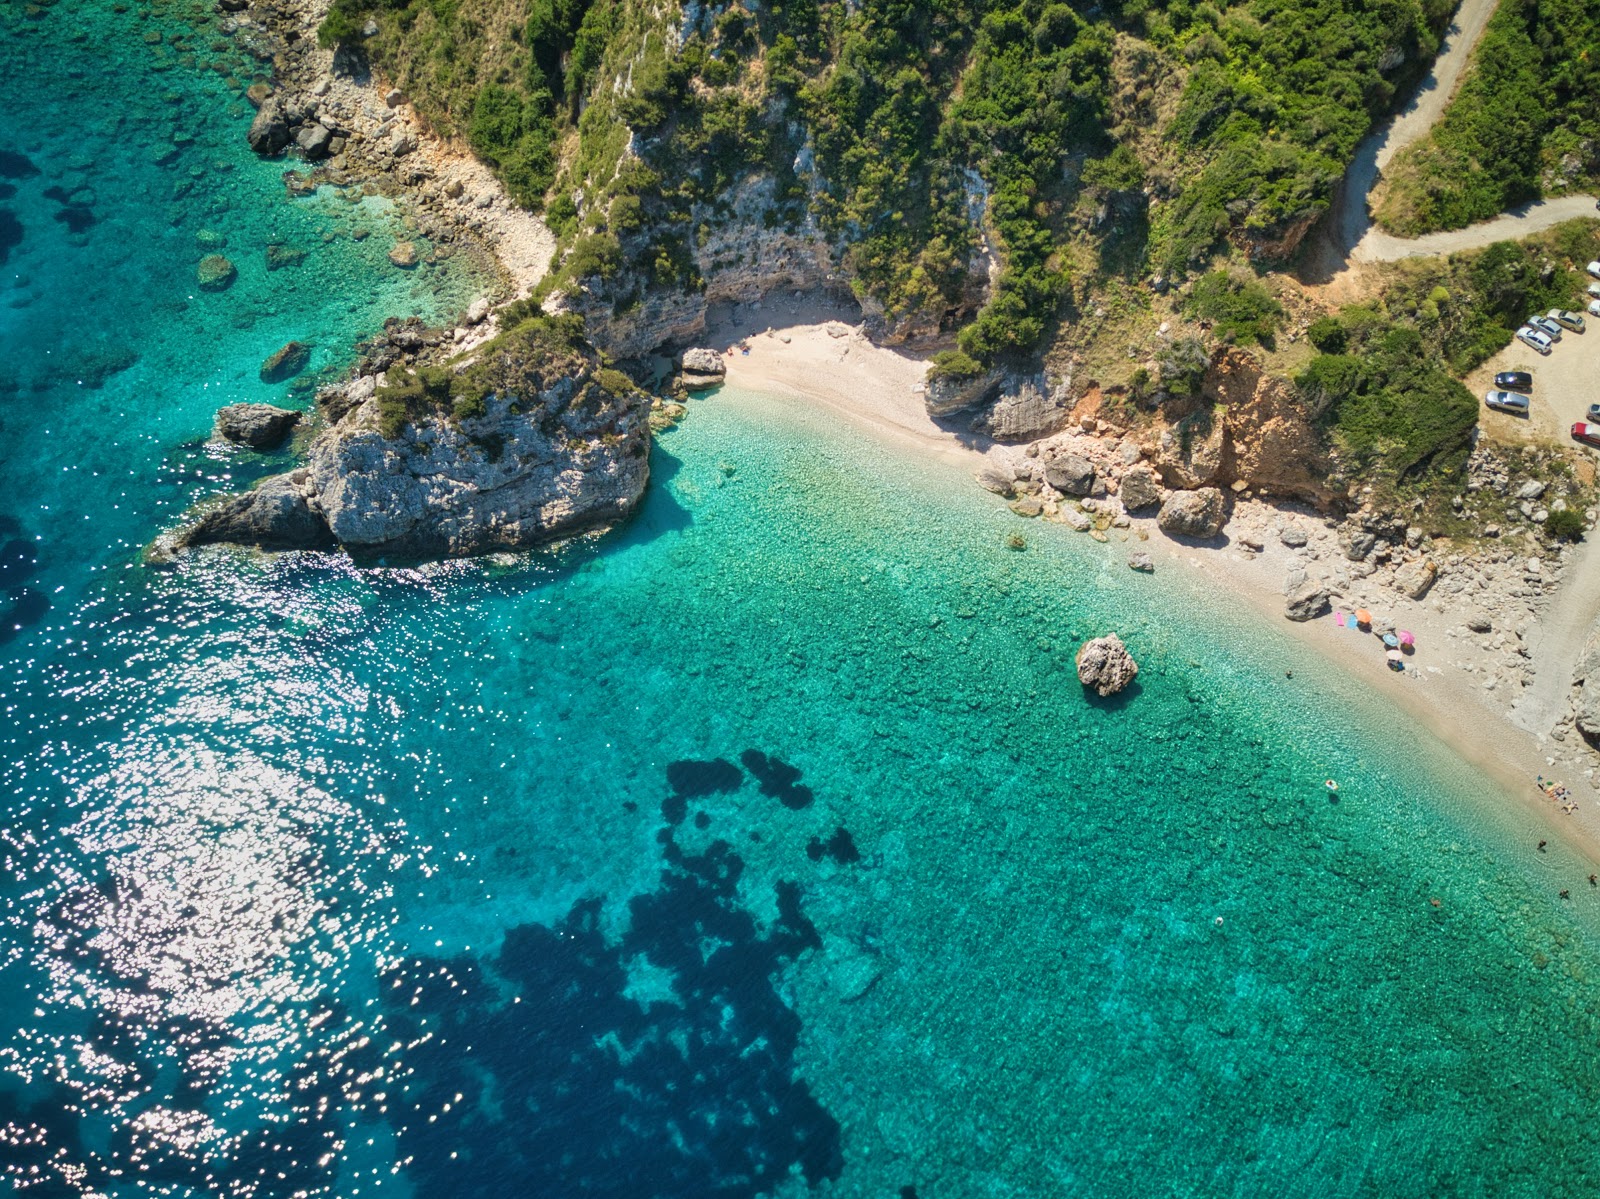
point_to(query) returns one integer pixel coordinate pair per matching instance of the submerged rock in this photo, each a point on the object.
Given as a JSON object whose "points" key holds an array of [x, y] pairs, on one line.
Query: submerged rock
{"points": [[285, 363], [1142, 562], [1106, 665], [259, 426], [215, 273], [404, 254]]}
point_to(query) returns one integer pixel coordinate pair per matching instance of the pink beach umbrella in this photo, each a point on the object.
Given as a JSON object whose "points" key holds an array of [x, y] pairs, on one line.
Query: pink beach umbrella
{"points": [[1407, 638]]}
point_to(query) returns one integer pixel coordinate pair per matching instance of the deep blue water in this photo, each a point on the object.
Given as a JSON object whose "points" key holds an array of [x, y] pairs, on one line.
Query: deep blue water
{"points": [[768, 846]]}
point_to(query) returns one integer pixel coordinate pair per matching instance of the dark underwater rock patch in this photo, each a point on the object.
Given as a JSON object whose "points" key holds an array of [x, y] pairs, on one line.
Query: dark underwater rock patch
{"points": [[841, 847], [10, 233], [18, 560], [16, 166], [28, 607], [76, 218], [778, 779], [693, 778], [604, 1096]]}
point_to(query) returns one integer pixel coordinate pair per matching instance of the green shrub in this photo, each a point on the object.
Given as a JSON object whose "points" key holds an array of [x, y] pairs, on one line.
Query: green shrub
{"points": [[1565, 524], [1239, 308], [954, 364], [1328, 335]]}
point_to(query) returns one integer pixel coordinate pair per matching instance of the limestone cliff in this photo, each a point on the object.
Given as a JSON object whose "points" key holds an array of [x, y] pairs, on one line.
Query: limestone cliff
{"points": [[526, 441]]}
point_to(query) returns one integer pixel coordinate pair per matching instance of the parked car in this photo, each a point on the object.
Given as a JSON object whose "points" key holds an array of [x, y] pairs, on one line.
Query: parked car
{"points": [[1546, 326], [1593, 291], [1534, 339], [1594, 307], [1594, 413], [1514, 380], [1594, 269], [1587, 433], [1508, 401], [1567, 320]]}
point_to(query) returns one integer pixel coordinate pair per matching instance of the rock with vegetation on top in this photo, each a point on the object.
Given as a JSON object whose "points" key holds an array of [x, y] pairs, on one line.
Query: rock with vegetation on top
{"points": [[533, 439], [259, 426], [702, 368], [215, 273], [1193, 513], [1105, 665], [1307, 601], [286, 363]]}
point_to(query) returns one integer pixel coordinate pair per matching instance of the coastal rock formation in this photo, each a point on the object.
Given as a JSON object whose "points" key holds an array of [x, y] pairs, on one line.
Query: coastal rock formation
{"points": [[702, 369], [259, 426], [528, 441], [269, 132], [949, 394], [285, 363], [1307, 601], [1192, 513], [1026, 409], [1587, 675], [1415, 579], [1105, 665]]}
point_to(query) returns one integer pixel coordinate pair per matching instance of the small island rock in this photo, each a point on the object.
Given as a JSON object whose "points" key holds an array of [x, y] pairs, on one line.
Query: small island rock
{"points": [[702, 368], [1106, 665], [259, 426]]}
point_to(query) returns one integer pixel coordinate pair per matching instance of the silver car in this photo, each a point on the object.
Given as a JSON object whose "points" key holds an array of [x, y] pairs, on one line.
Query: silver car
{"points": [[1534, 339], [1508, 401], [1567, 320], [1547, 326]]}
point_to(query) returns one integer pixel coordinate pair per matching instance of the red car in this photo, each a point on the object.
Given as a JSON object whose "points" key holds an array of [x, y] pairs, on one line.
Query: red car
{"points": [[1585, 432]]}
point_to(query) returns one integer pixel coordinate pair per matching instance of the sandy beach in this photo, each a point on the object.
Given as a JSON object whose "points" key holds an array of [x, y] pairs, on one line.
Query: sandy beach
{"points": [[814, 352]]}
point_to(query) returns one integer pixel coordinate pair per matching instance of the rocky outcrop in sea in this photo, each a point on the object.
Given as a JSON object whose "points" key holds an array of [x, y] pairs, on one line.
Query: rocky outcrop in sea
{"points": [[1105, 665], [526, 440]]}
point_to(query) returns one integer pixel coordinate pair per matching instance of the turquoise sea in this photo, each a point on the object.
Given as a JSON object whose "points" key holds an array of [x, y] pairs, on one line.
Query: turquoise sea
{"points": [[768, 846]]}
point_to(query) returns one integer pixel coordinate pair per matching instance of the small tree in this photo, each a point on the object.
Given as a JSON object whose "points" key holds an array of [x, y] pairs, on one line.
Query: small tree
{"points": [[1564, 524]]}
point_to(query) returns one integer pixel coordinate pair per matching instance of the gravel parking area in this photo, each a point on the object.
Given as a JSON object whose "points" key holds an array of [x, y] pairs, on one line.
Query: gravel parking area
{"points": [[1564, 385]]}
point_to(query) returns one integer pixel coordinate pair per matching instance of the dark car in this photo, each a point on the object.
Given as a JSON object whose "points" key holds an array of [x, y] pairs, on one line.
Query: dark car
{"points": [[1585, 432], [1514, 380]]}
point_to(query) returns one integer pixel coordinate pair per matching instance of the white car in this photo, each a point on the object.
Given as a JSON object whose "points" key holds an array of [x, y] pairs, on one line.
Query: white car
{"points": [[1534, 339], [1508, 401], [1594, 291], [1594, 269], [1594, 307]]}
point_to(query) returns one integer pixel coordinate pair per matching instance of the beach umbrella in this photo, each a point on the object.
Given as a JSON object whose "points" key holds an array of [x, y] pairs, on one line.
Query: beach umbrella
{"points": [[1394, 655], [1391, 640], [1363, 616], [1407, 638]]}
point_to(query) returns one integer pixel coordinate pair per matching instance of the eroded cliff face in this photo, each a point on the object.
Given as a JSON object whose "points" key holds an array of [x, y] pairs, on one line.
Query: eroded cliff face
{"points": [[741, 261], [547, 445]]}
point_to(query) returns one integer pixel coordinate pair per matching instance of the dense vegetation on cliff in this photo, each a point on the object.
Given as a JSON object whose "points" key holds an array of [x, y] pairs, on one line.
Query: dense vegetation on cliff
{"points": [[1525, 122], [921, 138]]}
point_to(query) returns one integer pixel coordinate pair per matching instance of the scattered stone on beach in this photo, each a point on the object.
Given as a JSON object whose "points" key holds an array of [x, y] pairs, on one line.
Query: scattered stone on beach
{"points": [[478, 311], [1531, 490], [286, 362], [1105, 665], [1358, 543], [1070, 474], [702, 368], [1479, 623], [1293, 535], [1139, 488], [259, 426], [1307, 601], [1142, 562], [313, 140], [1415, 578], [1192, 513], [404, 254], [1075, 518], [997, 477], [215, 273]]}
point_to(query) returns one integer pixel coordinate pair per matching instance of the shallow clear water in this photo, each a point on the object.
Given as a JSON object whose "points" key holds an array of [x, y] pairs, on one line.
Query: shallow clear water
{"points": [[769, 845]]}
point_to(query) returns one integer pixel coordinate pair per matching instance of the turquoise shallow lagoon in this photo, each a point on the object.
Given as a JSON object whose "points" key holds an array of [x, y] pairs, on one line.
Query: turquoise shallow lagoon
{"points": [[768, 846]]}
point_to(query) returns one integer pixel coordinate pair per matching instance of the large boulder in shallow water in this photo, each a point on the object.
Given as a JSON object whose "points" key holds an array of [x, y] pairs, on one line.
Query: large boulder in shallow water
{"points": [[278, 515], [286, 362], [1105, 665], [1192, 513], [269, 132], [702, 368], [259, 426]]}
